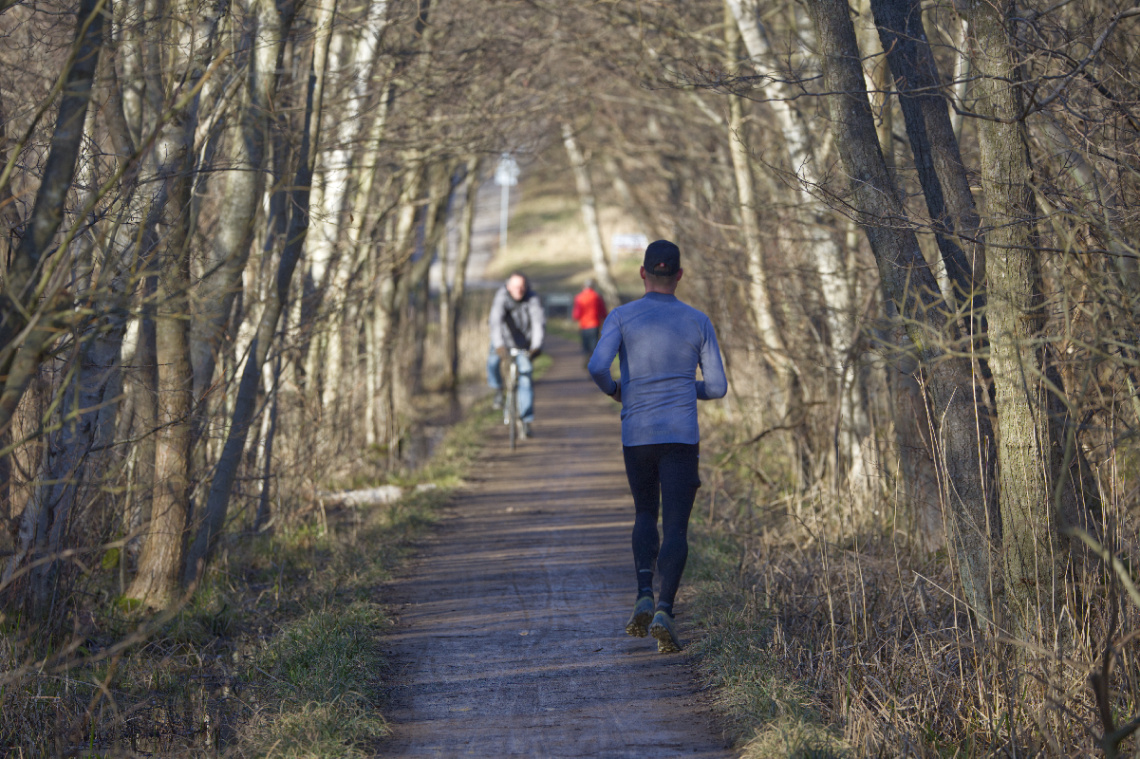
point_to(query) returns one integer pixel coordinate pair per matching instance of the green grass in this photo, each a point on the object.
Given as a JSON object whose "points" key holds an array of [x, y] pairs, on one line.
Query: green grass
{"points": [[320, 675]]}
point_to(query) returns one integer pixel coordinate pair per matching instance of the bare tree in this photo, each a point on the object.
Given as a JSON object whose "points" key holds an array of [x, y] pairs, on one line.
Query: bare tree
{"points": [[908, 281], [30, 276], [1016, 319], [221, 487], [589, 206], [168, 235], [455, 286]]}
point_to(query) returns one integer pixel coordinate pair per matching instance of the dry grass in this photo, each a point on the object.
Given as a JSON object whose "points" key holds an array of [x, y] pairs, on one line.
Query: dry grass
{"points": [[277, 653], [825, 632]]}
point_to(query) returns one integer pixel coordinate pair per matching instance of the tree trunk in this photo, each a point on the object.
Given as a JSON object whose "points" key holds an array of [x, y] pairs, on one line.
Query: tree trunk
{"points": [[775, 352], [156, 583], [327, 276], [1016, 318], [814, 216], [441, 191], [908, 282], [384, 326], [221, 487], [262, 517], [454, 289], [961, 75], [231, 242], [79, 450], [920, 486], [169, 230], [766, 328], [20, 354], [877, 74], [590, 216], [937, 159]]}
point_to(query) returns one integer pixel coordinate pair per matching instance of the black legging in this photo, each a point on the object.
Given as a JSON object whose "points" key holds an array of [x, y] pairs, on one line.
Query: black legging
{"points": [[662, 477]]}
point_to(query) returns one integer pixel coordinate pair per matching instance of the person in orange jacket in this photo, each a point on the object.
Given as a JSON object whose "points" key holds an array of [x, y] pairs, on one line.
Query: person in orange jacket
{"points": [[589, 312]]}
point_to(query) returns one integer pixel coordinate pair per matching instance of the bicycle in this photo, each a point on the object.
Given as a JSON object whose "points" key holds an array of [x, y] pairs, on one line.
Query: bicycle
{"points": [[511, 416]]}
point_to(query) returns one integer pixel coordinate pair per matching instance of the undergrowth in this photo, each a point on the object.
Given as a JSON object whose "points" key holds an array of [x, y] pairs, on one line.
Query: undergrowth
{"points": [[276, 653], [824, 630]]}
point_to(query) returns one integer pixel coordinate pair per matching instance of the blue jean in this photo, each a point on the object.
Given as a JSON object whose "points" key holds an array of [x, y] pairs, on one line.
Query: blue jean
{"points": [[526, 383], [590, 339]]}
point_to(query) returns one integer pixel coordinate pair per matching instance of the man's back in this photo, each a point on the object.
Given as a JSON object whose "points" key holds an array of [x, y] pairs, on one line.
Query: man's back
{"points": [[660, 343]]}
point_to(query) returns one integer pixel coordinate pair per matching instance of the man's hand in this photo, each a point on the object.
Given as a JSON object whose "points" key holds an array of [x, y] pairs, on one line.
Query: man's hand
{"points": [[503, 353], [534, 353], [616, 394]]}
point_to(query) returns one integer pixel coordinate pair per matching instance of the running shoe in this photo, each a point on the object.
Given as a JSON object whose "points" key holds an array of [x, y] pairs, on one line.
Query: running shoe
{"points": [[526, 433], [638, 624], [497, 401], [665, 631]]}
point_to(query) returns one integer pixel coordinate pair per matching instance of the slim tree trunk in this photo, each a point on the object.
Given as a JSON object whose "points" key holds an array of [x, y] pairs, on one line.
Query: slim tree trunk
{"points": [[47, 515], [590, 216], [384, 326], [441, 191], [159, 566], [232, 239], [387, 310], [937, 159], [775, 351], [766, 327], [156, 583], [878, 77], [328, 277], [1016, 319], [21, 354], [961, 75], [80, 451], [454, 289], [261, 519], [814, 217], [221, 487], [908, 282]]}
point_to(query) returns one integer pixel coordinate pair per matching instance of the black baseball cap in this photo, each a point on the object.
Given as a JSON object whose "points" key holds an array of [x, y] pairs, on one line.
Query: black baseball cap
{"points": [[662, 258]]}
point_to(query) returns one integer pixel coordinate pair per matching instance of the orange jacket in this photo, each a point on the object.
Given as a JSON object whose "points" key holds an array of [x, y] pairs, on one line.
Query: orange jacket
{"points": [[589, 309]]}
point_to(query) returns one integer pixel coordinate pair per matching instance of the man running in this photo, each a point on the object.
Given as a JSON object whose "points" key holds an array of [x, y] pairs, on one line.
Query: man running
{"points": [[517, 320], [660, 342]]}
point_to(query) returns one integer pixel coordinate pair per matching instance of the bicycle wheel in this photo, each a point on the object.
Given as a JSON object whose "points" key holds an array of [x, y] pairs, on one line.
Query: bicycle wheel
{"points": [[513, 408]]}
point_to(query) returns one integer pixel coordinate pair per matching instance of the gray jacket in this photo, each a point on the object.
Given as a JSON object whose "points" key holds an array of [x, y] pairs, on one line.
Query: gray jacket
{"points": [[517, 324]]}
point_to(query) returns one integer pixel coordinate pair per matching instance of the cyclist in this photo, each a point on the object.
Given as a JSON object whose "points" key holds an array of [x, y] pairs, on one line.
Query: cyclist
{"points": [[660, 342], [517, 320]]}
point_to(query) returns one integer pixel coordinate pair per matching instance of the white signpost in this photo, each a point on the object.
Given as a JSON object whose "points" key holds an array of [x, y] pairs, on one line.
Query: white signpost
{"points": [[506, 175]]}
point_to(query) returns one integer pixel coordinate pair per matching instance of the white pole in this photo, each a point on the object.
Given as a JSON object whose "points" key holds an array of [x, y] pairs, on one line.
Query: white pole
{"points": [[506, 202]]}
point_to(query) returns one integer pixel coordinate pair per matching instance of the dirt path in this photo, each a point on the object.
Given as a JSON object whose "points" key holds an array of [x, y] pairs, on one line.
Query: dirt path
{"points": [[510, 639]]}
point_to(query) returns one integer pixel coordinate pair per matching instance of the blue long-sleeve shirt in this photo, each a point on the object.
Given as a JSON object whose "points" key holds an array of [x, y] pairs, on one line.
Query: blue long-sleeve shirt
{"points": [[660, 342]]}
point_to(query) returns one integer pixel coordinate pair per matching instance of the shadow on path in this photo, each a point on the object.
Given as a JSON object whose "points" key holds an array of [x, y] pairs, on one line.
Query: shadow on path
{"points": [[510, 639]]}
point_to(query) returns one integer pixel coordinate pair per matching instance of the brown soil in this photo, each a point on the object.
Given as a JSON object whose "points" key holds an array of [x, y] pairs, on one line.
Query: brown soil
{"points": [[510, 638]]}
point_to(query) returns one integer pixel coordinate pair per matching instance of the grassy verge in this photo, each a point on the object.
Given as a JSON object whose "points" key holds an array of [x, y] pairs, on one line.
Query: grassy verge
{"points": [[319, 677], [823, 629], [769, 712]]}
